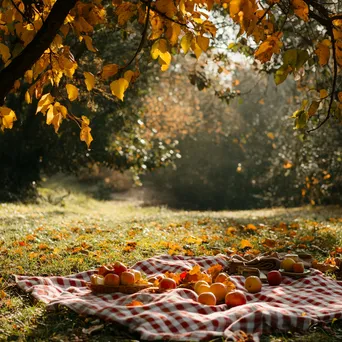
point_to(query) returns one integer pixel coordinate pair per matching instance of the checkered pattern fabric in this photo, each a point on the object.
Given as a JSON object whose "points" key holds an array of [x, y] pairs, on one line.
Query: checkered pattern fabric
{"points": [[176, 314]]}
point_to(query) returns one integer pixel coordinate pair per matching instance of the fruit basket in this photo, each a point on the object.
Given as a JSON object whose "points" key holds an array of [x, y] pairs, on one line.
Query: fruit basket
{"points": [[127, 289]]}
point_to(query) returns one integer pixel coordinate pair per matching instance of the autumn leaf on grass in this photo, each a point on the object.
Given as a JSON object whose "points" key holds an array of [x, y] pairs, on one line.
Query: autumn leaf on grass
{"points": [[270, 46], [269, 243], [85, 134], [323, 51], [7, 117], [130, 246], [72, 92], [245, 244], [251, 227]]}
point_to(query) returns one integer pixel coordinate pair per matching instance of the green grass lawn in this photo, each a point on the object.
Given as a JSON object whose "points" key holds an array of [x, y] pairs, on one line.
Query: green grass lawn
{"points": [[81, 233]]}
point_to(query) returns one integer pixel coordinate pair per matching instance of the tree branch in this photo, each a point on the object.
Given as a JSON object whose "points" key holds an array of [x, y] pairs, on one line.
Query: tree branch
{"points": [[31, 53]]}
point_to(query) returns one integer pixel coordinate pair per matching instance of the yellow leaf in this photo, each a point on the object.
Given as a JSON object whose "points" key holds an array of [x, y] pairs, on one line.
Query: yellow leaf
{"points": [[125, 11], [172, 33], [7, 117], [196, 49], [119, 87], [209, 27], [128, 75], [251, 226], [85, 134], [72, 92], [270, 46], [28, 98], [270, 135], [301, 9], [340, 96], [55, 115], [245, 243], [323, 93], [4, 52], [203, 42], [44, 103], [28, 76], [109, 70], [186, 42], [89, 80], [89, 43], [287, 165], [323, 51]]}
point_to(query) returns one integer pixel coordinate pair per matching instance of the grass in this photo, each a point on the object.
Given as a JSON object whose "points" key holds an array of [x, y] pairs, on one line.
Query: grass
{"points": [[80, 233]]}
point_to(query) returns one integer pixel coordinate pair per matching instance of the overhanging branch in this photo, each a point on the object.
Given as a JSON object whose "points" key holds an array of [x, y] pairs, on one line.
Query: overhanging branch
{"points": [[31, 53]]}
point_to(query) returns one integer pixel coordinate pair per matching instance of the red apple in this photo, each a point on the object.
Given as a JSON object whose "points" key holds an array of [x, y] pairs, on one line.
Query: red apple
{"points": [[119, 267], [127, 278], [112, 279], [167, 284], [235, 298], [274, 278]]}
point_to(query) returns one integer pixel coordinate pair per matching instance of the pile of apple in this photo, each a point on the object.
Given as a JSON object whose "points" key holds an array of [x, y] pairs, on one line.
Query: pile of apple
{"points": [[292, 265], [218, 292], [116, 274]]}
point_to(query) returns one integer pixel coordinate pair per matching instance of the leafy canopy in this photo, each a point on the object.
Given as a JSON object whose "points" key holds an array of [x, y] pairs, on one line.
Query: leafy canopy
{"points": [[37, 35]]}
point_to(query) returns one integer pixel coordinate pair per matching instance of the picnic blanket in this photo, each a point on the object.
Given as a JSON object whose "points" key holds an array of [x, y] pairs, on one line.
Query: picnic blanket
{"points": [[176, 315]]}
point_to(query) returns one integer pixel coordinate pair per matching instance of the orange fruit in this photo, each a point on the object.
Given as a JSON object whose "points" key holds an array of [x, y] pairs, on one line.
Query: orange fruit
{"points": [[221, 277], [198, 283], [287, 264], [219, 290], [253, 284], [207, 298], [203, 288]]}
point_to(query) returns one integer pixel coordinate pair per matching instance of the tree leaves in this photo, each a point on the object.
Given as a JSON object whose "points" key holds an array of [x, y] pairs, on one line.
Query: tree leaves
{"points": [[89, 80], [301, 9], [109, 70], [119, 87], [323, 51], [72, 92], [4, 52], [7, 117], [85, 134]]}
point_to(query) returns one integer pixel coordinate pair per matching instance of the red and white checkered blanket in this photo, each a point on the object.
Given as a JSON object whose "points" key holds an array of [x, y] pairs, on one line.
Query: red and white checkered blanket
{"points": [[176, 315]]}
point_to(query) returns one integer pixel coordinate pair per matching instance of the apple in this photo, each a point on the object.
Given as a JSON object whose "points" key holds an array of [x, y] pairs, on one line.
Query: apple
{"points": [[137, 275], [119, 267], [253, 284], [167, 284], [287, 264], [274, 278], [221, 277], [298, 267], [127, 278], [104, 270], [112, 279], [235, 298]]}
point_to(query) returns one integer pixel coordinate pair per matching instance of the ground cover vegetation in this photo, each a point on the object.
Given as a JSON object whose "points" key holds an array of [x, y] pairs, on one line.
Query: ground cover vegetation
{"points": [[71, 60], [82, 233]]}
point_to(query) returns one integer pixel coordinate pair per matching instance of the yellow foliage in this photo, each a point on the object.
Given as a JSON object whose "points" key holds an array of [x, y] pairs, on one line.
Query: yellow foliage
{"points": [[270, 46], [85, 134], [301, 9], [109, 70], [7, 117], [89, 80], [323, 51], [72, 92], [119, 87]]}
